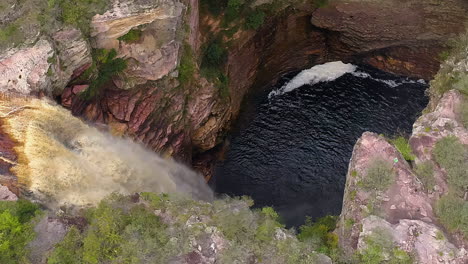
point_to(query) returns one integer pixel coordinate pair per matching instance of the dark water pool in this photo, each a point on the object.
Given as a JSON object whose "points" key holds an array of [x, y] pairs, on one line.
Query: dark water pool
{"points": [[292, 151]]}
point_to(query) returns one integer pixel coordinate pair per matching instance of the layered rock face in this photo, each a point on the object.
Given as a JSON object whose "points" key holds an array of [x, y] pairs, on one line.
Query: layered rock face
{"points": [[400, 37], [155, 53], [404, 209]]}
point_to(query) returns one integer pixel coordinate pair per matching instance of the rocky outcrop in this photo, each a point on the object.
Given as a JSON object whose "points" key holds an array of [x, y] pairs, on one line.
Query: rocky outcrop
{"points": [[415, 236], [6, 194], [24, 70], [404, 209], [154, 53], [73, 56], [47, 67], [404, 38]]}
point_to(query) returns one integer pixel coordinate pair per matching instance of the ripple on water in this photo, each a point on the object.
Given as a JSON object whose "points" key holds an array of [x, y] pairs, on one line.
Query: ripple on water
{"points": [[294, 153]]}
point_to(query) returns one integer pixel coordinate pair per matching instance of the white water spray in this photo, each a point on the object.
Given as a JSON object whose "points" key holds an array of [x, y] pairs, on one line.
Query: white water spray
{"points": [[61, 159]]}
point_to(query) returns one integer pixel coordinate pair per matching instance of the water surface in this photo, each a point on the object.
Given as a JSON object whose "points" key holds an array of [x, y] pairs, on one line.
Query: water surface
{"points": [[291, 151]]}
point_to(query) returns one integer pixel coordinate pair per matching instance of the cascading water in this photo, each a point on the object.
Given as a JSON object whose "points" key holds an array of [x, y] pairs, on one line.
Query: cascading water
{"points": [[293, 149], [63, 160]]}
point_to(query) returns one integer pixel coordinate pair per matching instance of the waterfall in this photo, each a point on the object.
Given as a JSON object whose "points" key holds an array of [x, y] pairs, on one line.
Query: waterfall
{"points": [[65, 161]]}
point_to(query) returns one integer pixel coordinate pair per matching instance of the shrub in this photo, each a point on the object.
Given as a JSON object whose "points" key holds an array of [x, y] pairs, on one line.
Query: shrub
{"points": [[107, 66], [255, 19], [425, 172], [69, 250], [233, 10], [132, 36], [16, 230], [452, 212], [379, 246], [320, 234], [402, 145], [215, 54], [461, 83], [379, 175], [452, 155]]}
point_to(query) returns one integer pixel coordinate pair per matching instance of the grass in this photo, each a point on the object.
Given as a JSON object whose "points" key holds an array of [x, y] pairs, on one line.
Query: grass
{"points": [[452, 212], [132, 36], [16, 230], [452, 155], [187, 66], [379, 176], [425, 172], [402, 145], [79, 13]]}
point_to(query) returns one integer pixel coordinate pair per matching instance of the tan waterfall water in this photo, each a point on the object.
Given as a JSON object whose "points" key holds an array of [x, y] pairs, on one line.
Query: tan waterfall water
{"points": [[64, 160]]}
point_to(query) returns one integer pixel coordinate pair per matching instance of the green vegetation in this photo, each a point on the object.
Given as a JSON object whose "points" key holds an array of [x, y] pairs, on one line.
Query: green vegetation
{"points": [[255, 19], [402, 145], [77, 13], [453, 213], [380, 247], [16, 230], [320, 234], [321, 3], [452, 155], [107, 66], [452, 209], [379, 176], [463, 111], [450, 76], [124, 231], [213, 59], [10, 33], [132, 36], [425, 172], [187, 66]]}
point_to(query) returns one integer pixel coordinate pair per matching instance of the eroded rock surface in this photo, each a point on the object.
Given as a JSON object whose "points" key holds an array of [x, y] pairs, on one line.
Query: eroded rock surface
{"points": [[24, 70], [407, 35], [155, 53], [405, 207]]}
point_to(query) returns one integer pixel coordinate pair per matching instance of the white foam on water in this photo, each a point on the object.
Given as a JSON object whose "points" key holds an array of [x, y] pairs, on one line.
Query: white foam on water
{"points": [[320, 73], [391, 83], [331, 71]]}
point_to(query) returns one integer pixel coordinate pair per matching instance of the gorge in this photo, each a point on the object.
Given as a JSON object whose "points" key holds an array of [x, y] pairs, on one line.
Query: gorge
{"points": [[210, 84]]}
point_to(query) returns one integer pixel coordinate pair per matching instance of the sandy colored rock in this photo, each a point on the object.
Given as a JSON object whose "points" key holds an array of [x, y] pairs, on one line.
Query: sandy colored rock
{"points": [[155, 54]]}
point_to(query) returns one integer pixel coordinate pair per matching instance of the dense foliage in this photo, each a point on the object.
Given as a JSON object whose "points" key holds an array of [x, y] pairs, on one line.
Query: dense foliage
{"points": [[105, 66], [121, 230], [16, 230]]}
